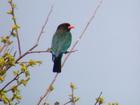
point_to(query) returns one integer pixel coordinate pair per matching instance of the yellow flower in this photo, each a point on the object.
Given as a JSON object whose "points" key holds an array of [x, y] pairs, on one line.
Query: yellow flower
{"points": [[24, 82], [24, 68], [6, 39], [100, 100], [10, 58], [17, 97], [33, 62], [14, 88], [10, 12], [1, 78], [113, 103], [51, 88], [14, 34], [14, 5], [15, 27], [72, 86], [15, 72], [77, 99], [2, 62]]}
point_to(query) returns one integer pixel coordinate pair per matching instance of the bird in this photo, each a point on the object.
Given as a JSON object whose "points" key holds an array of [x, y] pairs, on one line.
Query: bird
{"points": [[61, 41]]}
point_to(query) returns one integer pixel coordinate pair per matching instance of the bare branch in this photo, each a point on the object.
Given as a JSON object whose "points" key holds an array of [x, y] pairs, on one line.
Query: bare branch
{"points": [[14, 20], [84, 30], [25, 53], [43, 27], [41, 51], [39, 36], [2, 48], [48, 51], [11, 81], [48, 90], [72, 97]]}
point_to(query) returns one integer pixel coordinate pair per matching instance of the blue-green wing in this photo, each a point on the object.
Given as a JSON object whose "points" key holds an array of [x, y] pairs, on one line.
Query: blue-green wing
{"points": [[54, 43], [67, 42], [61, 42]]}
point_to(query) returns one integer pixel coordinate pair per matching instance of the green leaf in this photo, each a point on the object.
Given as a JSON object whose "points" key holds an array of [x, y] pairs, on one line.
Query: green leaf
{"points": [[24, 82], [2, 72], [23, 67], [33, 62], [2, 62], [27, 73], [4, 98], [10, 60], [17, 97], [6, 40], [14, 88], [16, 72], [1, 78]]}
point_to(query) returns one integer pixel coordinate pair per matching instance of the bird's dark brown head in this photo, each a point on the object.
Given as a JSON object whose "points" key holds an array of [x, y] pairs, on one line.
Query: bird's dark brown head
{"points": [[65, 27]]}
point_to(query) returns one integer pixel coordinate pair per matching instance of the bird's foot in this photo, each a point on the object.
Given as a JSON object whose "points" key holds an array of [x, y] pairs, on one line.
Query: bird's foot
{"points": [[70, 51], [49, 50]]}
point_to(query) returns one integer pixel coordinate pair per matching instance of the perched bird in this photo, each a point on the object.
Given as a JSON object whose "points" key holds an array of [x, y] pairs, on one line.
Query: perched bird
{"points": [[61, 41]]}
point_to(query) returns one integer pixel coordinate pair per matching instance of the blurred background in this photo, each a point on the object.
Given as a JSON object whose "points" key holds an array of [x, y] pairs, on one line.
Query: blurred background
{"points": [[108, 56]]}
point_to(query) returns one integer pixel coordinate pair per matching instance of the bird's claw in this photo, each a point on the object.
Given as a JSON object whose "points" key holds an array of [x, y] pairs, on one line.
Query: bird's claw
{"points": [[49, 50], [70, 51]]}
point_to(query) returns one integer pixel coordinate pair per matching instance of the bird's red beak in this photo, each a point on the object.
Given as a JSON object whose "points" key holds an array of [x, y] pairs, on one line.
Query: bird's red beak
{"points": [[71, 27]]}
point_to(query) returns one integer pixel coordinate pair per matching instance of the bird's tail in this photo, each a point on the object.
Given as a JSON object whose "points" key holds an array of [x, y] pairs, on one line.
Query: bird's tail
{"points": [[57, 64]]}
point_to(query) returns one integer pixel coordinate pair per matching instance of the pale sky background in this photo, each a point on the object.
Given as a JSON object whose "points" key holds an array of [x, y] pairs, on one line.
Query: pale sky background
{"points": [[108, 57]]}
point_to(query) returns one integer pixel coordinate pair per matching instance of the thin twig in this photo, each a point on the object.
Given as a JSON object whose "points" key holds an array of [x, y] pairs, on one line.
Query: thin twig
{"points": [[15, 78], [39, 36], [2, 48], [48, 90], [40, 51], [84, 30], [14, 20], [98, 98], [80, 37], [47, 19], [25, 53], [48, 51], [72, 97]]}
